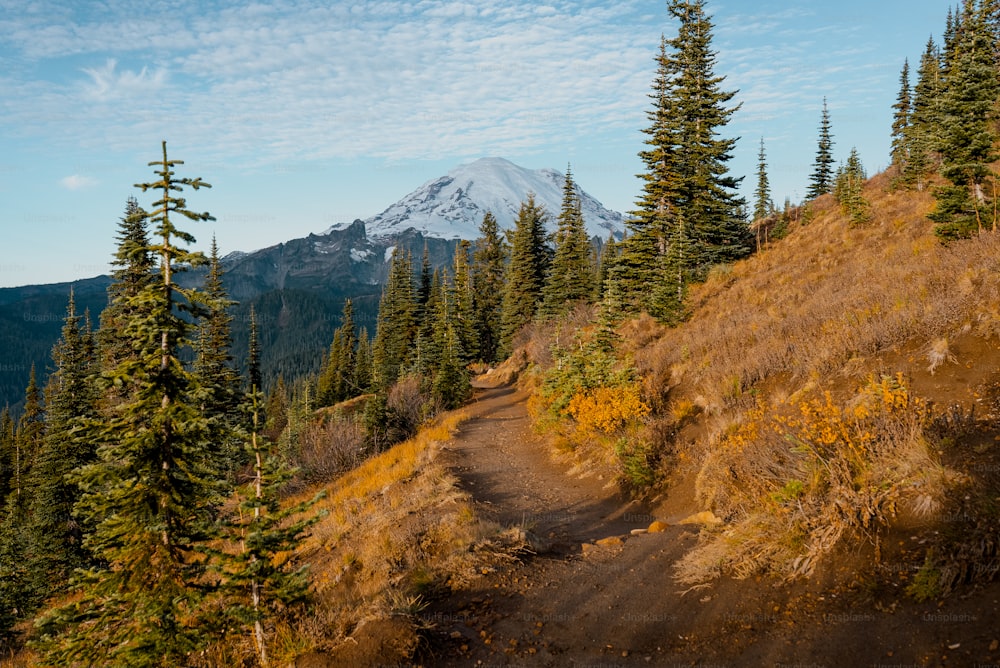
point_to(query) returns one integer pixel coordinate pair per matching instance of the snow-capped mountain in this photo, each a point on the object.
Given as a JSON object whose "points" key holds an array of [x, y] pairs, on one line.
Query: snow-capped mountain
{"points": [[452, 206]]}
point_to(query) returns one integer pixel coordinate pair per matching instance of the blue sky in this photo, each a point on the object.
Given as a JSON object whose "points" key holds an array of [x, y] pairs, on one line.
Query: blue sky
{"points": [[306, 113]]}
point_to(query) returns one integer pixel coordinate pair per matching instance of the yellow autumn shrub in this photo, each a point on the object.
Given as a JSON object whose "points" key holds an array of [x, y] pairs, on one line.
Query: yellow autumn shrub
{"points": [[607, 409]]}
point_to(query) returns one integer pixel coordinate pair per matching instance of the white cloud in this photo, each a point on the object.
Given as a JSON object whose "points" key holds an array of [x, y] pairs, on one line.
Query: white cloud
{"points": [[108, 83], [77, 182], [316, 80]]}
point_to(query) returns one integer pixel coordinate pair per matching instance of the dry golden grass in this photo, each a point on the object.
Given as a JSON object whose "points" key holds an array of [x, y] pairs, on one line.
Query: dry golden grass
{"points": [[396, 527], [828, 293], [776, 346]]}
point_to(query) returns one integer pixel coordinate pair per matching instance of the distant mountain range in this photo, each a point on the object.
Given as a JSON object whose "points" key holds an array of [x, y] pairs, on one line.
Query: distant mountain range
{"points": [[298, 288]]}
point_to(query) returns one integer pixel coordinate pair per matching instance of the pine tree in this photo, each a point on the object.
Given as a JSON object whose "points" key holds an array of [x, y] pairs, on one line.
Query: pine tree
{"points": [[821, 180], [902, 110], [463, 300], [276, 410], [489, 268], [607, 259], [217, 378], [529, 262], [17, 596], [134, 271], [712, 209], [968, 136], [570, 276], [256, 585], [925, 123], [255, 378], [337, 378], [763, 206], [688, 196], [152, 495], [848, 190], [397, 325], [55, 534]]}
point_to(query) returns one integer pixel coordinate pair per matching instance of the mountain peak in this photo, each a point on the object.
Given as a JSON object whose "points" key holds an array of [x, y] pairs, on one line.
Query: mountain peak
{"points": [[453, 205]]}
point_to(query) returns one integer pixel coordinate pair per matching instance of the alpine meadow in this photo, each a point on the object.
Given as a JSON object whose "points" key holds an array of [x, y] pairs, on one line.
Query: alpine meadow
{"points": [[500, 424]]}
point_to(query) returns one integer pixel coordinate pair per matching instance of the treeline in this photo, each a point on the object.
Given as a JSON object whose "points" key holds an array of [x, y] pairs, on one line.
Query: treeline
{"points": [[946, 123], [143, 485]]}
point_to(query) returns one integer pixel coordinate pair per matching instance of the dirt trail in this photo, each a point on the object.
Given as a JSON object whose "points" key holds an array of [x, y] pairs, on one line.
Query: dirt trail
{"points": [[617, 605]]}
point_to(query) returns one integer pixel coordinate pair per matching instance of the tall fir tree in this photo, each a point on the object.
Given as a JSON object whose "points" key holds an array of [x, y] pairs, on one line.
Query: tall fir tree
{"points": [[968, 135], [397, 323], [55, 533], [256, 584], [152, 495], [848, 190], [529, 263], [337, 380], [688, 195], [821, 179], [902, 110], [219, 383], [763, 206], [925, 123], [489, 269], [133, 271], [17, 597], [463, 300], [255, 377], [571, 275]]}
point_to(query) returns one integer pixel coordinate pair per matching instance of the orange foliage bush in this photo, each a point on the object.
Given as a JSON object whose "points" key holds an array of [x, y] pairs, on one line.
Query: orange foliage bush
{"points": [[607, 408]]}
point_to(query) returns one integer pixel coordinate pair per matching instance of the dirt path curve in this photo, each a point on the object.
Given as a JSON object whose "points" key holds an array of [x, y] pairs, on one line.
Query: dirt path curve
{"points": [[617, 605], [511, 474]]}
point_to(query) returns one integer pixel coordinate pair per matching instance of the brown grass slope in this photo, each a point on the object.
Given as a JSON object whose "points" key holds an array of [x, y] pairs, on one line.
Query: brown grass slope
{"points": [[844, 381]]}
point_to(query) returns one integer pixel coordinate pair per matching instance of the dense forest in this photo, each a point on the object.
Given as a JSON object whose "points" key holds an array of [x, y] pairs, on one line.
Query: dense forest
{"points": [[146, 487]]}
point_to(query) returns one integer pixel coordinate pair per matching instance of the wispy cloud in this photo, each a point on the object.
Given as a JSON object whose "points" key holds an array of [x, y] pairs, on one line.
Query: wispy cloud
{"points": [[110, 83], [78, 182], [317, 80]]}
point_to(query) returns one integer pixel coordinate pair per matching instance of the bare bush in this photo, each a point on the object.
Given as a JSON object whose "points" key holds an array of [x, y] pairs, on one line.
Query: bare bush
{"points": [[329, 449]]}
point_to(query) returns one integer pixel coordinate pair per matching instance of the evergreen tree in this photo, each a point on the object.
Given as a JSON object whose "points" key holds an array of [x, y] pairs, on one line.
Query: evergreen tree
{"points": [[529, 261], [607, 259], [688, 196], [219, 382], [489, 268], [363, 363], [17, 597], [276, 410], [662, 195], [763, 206], [922, 132], [55, 534], [968, 136], [255, 378], [424, 284], [397, 325], [463, 300], [571, 275], [821, 180], [428, 343], [337, 379], [134, 271], [7, 454], [848, 190], [152, 495], [900, 155], [256, 584]]}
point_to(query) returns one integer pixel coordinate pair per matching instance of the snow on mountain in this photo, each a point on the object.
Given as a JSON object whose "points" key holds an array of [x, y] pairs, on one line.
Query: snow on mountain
{"points": [[452, 206]]}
